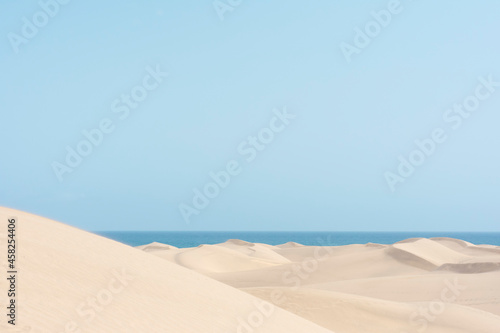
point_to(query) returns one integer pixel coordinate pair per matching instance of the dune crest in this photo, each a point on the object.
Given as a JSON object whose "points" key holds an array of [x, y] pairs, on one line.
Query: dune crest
{"points": [[155, 246], [289, 245], [73, 280], [372, 287]]}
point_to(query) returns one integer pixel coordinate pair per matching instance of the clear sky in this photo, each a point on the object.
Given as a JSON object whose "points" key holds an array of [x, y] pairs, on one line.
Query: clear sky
{"points": [[308, 117]]}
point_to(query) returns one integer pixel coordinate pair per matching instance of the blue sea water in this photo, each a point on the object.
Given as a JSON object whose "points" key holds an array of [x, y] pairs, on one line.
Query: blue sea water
{"points": [[193, 238]]}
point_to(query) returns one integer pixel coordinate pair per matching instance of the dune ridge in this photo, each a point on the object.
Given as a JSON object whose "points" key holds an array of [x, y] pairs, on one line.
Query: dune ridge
{"points": [[75, 281], [416, 285]]}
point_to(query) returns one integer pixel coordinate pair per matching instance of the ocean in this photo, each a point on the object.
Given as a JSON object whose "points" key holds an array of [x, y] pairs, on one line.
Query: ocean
{"points": [[193, 238]]}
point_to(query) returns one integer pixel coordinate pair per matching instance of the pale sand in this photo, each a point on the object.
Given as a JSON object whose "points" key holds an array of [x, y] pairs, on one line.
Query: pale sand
{"points": [[417, 285], [62, 269]]}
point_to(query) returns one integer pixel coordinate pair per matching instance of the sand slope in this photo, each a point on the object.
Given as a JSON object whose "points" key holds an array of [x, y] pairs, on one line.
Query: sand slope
{"points": [[343, 312], [74, 281], [417, 285]]}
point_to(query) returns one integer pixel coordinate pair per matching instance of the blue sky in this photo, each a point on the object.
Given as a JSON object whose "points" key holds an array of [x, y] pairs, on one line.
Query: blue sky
{"points": [[227, 81]]}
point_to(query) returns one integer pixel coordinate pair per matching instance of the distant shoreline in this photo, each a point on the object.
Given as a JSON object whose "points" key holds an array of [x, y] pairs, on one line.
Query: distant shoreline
{"points": [[183, 239]]}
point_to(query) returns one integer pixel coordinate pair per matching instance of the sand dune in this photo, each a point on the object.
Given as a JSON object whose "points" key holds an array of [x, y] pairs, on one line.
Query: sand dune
{"points": [[417, 285], [434, 255], [74, 281], [342, 312], [214, 258], [156, 247], [476, 290], [258, 251], [427, 251], [468, 248], [288, 245]]}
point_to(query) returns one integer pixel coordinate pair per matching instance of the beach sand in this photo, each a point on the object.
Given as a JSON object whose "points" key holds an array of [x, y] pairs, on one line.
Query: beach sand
{"points": [[70, 280]]}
